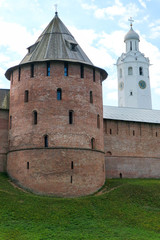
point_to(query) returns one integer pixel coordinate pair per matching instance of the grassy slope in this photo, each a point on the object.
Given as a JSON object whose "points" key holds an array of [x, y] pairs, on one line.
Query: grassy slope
{"points": [[129, 212]]}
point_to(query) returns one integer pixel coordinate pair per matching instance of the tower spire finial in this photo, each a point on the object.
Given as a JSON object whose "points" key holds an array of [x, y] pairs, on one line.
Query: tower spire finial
{"points": [[131, 21], [56, 5]]}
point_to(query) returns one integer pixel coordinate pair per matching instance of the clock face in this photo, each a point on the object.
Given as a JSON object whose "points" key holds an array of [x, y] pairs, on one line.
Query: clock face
{"points": [[121, 86], [142, 84]]}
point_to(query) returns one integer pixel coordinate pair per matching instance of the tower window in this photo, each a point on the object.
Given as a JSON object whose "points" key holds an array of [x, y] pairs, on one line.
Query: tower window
{"points": [[133, 133], [110, 131], [156, 134], [131, 93], [120, 73], [35, 117], [19, 74], [130, 71], [46, 141], [27, 165], [65, 69], [140, 71], [93, 143], [32, 70], [71, 179], [59, 94], [73, 46], [72, 166], [10, 122], [91, 97], [130, 45], [26, 96], [94, 75], [82, 70], [71, 113], [98, 121], [48, 69]]}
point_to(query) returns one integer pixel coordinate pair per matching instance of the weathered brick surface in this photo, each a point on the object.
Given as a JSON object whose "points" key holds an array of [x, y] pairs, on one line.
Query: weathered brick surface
{"points": [[132, 149], [50, 171], [53, 117], [3, 138]]}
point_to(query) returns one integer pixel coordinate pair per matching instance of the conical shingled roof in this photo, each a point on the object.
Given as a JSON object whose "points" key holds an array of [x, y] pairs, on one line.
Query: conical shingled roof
{"points": [[56, 43]]}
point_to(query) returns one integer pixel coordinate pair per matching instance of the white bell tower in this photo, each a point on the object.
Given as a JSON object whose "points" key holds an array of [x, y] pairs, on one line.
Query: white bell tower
{"points": [[133, 74]]}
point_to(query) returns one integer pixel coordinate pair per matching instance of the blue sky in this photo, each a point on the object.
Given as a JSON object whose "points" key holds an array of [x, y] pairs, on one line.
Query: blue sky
{"points": [[99, 26]]}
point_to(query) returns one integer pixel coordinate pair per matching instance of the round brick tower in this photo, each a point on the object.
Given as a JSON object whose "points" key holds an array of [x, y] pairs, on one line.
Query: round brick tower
{"points": [[56, 117]]}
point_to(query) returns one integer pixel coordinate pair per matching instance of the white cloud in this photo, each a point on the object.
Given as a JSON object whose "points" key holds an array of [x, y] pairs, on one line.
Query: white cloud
{"points": [[153, 53], [1, 2], [116, 10], [15, 37], [88, 7], [103, 58], [143, 4], [157, 91], [112, 96]]}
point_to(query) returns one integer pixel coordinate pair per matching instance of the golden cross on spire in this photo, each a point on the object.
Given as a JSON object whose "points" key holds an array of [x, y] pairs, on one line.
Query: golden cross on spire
{"points": [[131, 21]]}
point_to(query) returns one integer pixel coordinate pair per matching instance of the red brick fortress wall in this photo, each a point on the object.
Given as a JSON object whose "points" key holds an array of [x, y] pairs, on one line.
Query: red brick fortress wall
{"points": [[41, 168], [3, 138], [131, 149]]}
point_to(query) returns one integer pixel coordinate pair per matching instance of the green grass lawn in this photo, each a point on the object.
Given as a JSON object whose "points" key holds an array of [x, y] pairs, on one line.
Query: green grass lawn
{"points": [[130, 211]]}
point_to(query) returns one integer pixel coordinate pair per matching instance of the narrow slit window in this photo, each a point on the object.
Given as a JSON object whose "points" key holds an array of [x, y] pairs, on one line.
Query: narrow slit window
{"points": [[59, 94], [48, 69], [110, 131], [91, 97], [82, 70], [71, 179], [131, 93], [140, 71], [26, 96], [46, 141], [19, 74], [98, 121], [156, 134], [133, 133], [27, 165], [130, 45], [65, 69], [94, 75], [10, 122], [71, 113], [120, 73], [35, 117], [32, 70], [72, 166], [93, 143]]}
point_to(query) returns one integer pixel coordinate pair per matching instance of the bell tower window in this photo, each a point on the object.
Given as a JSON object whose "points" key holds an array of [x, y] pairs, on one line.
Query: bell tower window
{"points": [[130, 45], [141, 71], [130, 71]]}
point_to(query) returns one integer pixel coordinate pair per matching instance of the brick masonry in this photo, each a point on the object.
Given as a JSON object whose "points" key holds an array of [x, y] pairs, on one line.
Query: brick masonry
{"points": [[131, 148], [53, 121], [3, 139]]}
